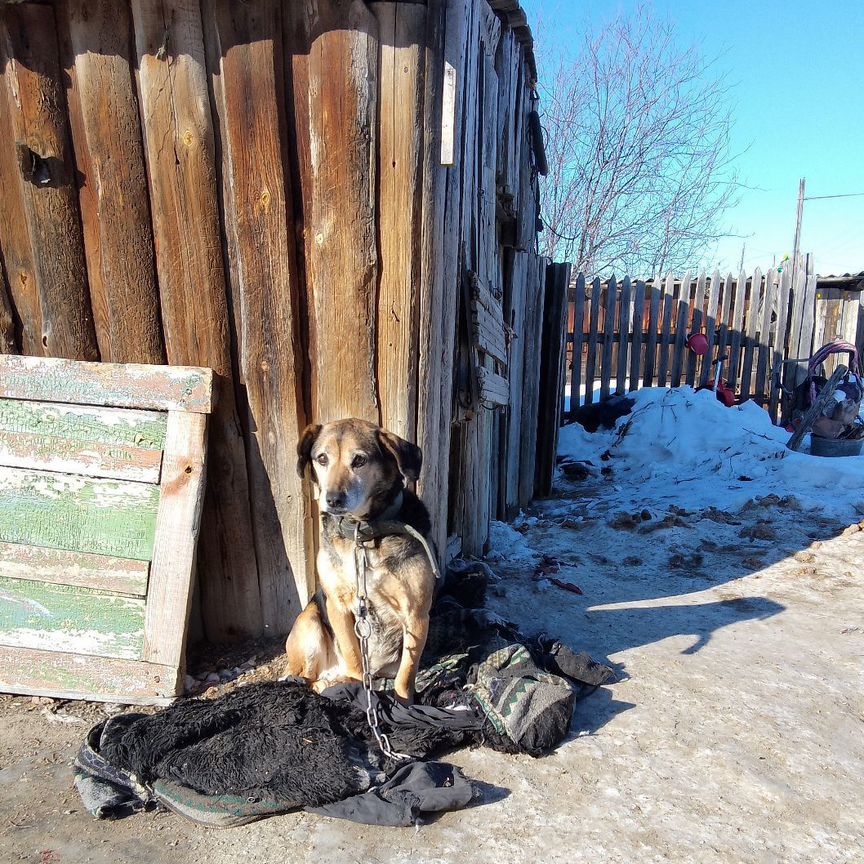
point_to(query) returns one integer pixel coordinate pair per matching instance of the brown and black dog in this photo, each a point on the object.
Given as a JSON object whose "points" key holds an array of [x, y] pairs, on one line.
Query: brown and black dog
{"points": [[360, 470]]}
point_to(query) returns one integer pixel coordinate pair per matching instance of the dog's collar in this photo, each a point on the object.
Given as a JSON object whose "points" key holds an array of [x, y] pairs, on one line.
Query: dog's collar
{"points": [[363, 531]]}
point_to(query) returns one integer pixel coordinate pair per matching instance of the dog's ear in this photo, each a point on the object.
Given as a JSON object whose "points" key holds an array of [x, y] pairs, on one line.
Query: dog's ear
{"points": [[408, 456], [304, 447]]}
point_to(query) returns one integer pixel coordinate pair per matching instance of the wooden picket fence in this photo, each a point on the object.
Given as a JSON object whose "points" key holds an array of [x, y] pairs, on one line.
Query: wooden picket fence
{"points": [[633, 333]]}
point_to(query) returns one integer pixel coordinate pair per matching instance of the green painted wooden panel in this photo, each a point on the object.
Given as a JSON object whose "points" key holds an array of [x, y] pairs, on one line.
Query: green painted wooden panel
{"points": [[63, 511], [78, 676], [62, 567], [96, 442], [65, 618], [131, 385], [143, 430]]}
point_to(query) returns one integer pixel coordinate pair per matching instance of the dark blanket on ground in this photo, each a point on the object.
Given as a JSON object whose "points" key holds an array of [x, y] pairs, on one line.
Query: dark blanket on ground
{"points": [[273, 747]]}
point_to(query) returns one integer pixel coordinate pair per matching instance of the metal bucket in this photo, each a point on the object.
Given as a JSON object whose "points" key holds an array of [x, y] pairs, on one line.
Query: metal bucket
{"points": [[835, 446]]}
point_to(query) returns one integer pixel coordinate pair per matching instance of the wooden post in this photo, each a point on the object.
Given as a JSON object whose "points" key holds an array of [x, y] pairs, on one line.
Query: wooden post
{"points": [[638, 328], [750, 335], [246, 51], [441, 267], [739, 301], [608, 336], [576, 376], [15, 249], [339, 209], [768, 302], [401, 67], [181, 162], [695, 326], [109, 156], [47, 181], [682, 319], [553, 350], [625, 320], [780, 343], [593, 325], [671, 290], [8, 344]]}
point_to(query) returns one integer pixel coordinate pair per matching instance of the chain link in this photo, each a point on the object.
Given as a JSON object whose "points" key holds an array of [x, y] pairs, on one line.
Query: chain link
{"points": [[363, 630]]}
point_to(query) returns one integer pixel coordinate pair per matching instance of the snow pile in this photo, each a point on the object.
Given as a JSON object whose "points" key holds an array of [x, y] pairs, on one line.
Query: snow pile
{"points": [[724, 456], [506, 542]]}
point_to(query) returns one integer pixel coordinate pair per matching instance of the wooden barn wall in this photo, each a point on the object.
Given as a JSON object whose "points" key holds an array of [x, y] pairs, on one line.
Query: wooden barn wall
{"points": [[292, 194]]}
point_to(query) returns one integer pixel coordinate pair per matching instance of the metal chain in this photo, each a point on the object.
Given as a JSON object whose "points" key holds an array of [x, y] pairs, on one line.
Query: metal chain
{"points": [[363, 630]]}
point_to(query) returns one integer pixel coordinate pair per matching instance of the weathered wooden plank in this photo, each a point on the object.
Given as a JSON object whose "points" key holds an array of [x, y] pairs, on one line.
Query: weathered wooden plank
{"points": [[797, 312], [769, 300], [471, 517], [625, 317], [431, 408], [157, 388], [494, 388], [180, 149], [638, 325], [780, 342], [339, 207], [246, 48], [750, 326], [608, 336], [671, 291], [515, 373], [68, 618], [724, 324], [576, 376], [169, 595], [820, 322], [808, 344], [77, 676], [593, 326], [401, 28], [739, 299], [531, 379], [681, 321], [39, 126], [654, 304], [126, 427], [115, 208], [81, 569], [98, 442], [64, 511], [711, 326], [8, 342], [553, 352], [696, 327], [488, 331], [15, 246]]}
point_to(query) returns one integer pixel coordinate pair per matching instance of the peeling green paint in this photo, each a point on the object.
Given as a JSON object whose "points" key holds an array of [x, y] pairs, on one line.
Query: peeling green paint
{"points": [[64, 511]]}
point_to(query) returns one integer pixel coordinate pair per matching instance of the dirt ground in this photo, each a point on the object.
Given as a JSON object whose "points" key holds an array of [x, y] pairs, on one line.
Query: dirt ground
{"points": [[733, 733]]}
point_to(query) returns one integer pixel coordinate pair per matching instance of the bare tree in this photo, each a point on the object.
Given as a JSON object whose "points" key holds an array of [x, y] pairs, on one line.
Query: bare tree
{"points": [[637, 132]]}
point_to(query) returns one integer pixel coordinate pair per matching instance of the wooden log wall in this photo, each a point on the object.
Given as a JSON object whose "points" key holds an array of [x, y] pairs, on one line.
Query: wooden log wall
{"points": [[294, 195]]}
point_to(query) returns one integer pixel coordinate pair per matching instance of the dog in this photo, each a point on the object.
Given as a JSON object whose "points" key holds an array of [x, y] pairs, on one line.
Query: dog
{"points": [[359, 472]]}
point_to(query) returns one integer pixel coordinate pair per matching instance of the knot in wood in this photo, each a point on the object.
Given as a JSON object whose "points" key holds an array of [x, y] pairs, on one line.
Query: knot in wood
{"points": [[188, 138]]}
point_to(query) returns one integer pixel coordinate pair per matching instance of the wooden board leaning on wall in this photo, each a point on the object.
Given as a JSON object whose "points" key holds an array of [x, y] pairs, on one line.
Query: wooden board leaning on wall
{"points": [[101, 487]]}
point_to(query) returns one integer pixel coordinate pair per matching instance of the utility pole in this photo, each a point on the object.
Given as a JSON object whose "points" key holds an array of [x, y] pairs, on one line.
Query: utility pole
{"points": [[796, 246], [741, 262]]}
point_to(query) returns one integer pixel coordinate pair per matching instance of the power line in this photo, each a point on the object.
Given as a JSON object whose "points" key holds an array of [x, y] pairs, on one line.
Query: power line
{"points": [[823, 197]]}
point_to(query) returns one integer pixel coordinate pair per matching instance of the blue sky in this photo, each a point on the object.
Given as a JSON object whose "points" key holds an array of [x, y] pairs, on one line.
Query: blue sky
{"points": [[798, 96]]}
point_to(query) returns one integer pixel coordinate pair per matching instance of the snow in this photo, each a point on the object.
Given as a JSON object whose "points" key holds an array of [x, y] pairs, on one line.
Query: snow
{"points": [[724, 456]]}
